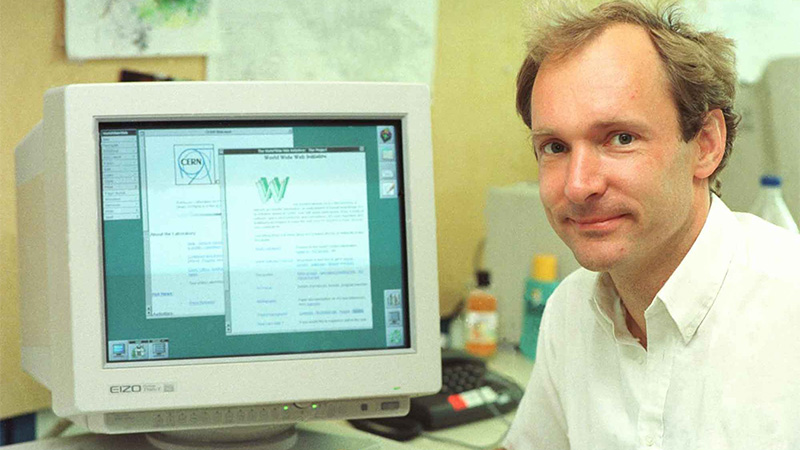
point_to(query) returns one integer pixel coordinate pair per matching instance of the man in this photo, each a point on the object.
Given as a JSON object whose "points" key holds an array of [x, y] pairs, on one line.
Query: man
{"points": [[681, 331]]}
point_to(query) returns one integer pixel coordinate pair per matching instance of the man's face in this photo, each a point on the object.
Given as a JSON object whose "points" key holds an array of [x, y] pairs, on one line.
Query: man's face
{"points": [[616, 179]]}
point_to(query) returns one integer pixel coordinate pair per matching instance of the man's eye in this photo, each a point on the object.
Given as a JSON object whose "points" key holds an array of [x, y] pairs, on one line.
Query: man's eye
{"points": [[622, 139], [553, 148]]}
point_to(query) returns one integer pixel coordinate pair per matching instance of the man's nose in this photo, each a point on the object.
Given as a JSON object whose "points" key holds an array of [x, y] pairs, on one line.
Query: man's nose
{"points": [[585, 179]]}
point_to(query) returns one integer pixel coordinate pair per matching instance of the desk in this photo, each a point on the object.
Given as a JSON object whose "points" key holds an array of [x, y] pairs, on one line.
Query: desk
{"points": [[507, 362]]}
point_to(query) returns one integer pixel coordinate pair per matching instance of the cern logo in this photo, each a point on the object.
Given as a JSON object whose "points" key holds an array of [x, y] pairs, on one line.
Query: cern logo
{"points": [[194, 164]]}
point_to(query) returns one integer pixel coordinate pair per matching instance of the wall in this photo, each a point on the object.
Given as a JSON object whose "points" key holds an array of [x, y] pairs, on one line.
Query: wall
{"points": [[32, 59], [478, 140]]}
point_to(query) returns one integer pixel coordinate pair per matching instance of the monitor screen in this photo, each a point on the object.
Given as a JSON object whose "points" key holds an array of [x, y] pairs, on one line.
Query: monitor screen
{"points": [[231, 239]]}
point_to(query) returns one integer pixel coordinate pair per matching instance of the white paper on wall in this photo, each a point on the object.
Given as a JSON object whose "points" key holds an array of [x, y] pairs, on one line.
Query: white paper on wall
{"points": [[304, 40], [763, 30], [139, 28]]}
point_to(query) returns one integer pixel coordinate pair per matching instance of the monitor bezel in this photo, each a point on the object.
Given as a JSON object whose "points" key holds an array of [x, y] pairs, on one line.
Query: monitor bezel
{"points": [[78, 379]]}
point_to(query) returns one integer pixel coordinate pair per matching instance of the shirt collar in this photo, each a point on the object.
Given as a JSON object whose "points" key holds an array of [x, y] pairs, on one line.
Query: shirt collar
{"points": [[692, 288], [609, 309]]}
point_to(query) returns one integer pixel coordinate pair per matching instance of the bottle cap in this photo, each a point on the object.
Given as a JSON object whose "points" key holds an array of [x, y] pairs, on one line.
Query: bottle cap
{"points": [[770, 180], [484, 278], [544, 267]]}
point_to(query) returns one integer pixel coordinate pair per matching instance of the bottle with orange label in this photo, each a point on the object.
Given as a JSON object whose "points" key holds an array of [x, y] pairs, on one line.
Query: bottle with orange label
{"points": [[481, 319], [538, 288]]}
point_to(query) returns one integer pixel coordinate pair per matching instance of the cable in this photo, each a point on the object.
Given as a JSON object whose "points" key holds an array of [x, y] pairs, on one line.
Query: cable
{"points": [[58, 429], [477, 257]]}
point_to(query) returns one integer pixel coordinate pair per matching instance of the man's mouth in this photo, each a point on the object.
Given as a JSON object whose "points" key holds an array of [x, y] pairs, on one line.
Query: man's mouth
{"points": [[596, 223]]}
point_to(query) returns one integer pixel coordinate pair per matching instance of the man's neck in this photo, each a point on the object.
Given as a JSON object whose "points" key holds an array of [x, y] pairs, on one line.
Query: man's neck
{"points": [[637, 286], [637, 292]]}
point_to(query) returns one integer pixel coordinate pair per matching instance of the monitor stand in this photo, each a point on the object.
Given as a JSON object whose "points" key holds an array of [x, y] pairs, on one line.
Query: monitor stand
{"points": [[267, 437]]}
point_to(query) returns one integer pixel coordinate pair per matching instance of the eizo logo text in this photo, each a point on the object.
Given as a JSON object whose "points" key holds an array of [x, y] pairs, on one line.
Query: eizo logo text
{"points": [[273, 189], [126, 389], [147, 388]]}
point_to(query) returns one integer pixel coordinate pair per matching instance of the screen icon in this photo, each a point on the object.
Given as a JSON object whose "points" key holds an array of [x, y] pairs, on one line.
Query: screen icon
{"points": [[392, 298], [386, 134], [387, 154], [138, 351], [158, 349], [388, 189], [117, 350], [396, 337]]}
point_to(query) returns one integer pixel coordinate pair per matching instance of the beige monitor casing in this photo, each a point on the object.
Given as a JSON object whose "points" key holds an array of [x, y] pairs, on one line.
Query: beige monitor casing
{"points": [[61, 268]]}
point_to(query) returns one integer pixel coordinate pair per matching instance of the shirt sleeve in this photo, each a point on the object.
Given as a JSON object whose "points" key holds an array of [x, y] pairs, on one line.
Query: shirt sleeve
{"points": [[540, 422]]}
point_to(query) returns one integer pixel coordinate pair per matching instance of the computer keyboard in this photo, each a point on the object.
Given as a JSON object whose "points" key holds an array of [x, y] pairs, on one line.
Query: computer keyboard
{"points": [[458, 378], [469, 393]]}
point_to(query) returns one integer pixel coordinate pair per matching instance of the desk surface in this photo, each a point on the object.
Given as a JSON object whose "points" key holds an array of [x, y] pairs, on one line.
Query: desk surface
{"points": [[507, 362]]}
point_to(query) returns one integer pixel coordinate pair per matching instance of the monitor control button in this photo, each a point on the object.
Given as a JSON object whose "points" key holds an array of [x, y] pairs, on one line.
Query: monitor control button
{"points": [[302, 405], [390, 406]]}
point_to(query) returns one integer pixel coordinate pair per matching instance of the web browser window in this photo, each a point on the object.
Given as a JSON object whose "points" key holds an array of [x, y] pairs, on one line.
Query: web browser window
{"points": [[232, 238], [298, 259]]}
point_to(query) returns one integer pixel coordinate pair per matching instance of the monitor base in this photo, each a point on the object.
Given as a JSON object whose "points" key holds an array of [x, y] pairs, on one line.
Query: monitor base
{"points": [[271, 437]]}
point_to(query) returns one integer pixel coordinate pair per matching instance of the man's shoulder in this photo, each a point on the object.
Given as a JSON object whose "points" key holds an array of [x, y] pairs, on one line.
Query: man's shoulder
{"points": [[580, 279], [573, 291]]}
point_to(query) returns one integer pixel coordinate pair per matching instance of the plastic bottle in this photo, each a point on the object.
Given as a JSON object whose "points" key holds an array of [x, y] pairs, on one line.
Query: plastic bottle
{"points": [[770, 206], [481, 319], [538, 288], [457, 332]]}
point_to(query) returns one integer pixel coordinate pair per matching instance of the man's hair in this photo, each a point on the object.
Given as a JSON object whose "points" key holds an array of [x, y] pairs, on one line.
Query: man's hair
{"points": [[700, 66]]}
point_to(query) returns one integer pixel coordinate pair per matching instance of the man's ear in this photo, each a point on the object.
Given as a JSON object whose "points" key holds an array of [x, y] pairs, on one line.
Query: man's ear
{"points": [[710, 144]]}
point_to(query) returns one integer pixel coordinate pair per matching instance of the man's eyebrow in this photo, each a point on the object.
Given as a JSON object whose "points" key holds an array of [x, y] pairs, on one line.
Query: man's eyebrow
{"points": [[542, 132], [623, 124]]}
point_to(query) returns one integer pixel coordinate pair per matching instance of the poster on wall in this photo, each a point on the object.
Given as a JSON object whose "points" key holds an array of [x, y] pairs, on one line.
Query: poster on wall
{"points": [[98, 29], [762, 31], [307, 40]]}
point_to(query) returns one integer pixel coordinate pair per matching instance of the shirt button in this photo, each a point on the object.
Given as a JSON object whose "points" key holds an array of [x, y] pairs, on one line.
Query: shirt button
{"points": [[650, 440]]}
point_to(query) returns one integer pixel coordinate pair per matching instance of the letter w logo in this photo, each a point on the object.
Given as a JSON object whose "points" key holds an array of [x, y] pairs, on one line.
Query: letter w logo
{"points": [[274, 189]]}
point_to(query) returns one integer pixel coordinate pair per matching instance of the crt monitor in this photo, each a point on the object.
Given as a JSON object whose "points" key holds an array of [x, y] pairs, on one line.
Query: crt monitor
{"points": [[228, 255]]}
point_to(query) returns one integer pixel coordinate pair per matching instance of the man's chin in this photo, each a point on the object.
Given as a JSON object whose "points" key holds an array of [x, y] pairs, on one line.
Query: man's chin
{"points": [[594, 266], [597, 260]]}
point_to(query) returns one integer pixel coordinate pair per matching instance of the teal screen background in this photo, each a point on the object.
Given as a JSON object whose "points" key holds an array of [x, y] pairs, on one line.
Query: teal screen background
{"points": [[204, 337]]}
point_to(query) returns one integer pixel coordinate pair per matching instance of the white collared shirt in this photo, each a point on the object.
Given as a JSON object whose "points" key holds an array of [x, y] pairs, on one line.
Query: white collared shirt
{"points": [[722, 365]]}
